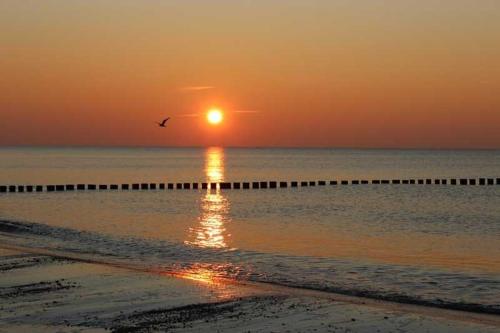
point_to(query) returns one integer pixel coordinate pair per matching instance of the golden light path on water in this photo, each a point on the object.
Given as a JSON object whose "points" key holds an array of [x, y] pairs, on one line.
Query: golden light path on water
{"points": [[210, 231]]}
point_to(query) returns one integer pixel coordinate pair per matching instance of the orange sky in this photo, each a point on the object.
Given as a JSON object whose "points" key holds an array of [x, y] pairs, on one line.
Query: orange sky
{"points": [[320, 73]]}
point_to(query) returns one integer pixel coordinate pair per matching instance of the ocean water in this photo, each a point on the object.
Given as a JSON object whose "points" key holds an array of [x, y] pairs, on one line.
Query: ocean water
{"points": [[435, 245]]}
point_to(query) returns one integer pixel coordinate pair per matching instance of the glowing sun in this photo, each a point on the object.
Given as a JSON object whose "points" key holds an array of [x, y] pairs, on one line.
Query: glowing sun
{"points": [[215, 116]]}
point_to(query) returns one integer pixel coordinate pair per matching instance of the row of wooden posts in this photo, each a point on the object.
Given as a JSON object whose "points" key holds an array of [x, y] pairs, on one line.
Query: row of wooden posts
{"points": [[241, 185]]}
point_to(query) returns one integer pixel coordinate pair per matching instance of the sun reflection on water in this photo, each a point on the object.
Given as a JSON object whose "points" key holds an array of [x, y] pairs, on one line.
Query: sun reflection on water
{"points": [[211, 231], [214, 164]]}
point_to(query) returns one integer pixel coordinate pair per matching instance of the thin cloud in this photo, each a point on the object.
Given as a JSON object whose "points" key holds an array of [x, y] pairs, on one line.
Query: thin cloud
{"points": [[246, 111], [197, 88], [192, 115], [187, 115]]}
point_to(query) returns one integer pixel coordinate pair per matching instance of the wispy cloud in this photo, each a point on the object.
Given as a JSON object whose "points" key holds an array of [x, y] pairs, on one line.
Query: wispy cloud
{"points": [[246, 111], [197, 88], [187, 115], [191, 115]]}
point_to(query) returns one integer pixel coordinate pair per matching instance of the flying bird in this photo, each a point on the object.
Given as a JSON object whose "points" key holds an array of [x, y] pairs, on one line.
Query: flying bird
{"points": [[162, 124]]}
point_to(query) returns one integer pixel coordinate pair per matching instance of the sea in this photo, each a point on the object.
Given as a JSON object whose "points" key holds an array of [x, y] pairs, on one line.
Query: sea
{"points": [[432, 245]]}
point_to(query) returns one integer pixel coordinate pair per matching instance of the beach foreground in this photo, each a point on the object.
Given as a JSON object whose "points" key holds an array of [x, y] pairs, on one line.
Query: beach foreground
{"points": [[43, 293]]}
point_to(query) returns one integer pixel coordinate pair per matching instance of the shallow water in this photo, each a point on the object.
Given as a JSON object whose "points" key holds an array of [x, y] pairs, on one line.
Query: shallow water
{"points": [[423, 244]]}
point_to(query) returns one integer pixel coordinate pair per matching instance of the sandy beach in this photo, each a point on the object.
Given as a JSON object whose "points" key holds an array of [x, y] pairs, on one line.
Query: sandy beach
{"points": [[42, 293]]}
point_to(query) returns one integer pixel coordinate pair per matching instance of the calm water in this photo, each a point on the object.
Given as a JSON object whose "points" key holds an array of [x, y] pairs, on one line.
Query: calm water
{"points": [[436, 245]]}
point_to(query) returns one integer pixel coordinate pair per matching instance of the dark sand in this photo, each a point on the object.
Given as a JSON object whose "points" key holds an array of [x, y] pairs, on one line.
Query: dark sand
{"points": [[42, 293]]}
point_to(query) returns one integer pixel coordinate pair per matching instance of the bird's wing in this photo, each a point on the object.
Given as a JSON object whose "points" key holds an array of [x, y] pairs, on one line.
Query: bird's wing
{"points": [[165, 120]]}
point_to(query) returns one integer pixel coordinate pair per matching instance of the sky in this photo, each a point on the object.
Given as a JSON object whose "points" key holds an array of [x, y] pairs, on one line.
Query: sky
{"points": [[324, 73]]}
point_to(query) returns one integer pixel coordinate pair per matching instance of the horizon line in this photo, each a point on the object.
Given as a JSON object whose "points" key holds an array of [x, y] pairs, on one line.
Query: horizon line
{"points": [[248, 147]]}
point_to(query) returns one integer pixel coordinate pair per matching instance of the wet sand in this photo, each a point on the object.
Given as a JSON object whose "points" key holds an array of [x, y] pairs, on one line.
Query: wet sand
{"points": [[43, 293]]}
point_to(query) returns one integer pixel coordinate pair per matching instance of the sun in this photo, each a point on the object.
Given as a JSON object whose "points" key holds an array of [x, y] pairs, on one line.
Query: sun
{"points": [[215, 116]]}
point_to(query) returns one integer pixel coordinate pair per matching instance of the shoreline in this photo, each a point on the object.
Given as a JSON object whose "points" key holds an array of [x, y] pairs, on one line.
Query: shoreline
{"points": [[426, 308], [239, 297]]}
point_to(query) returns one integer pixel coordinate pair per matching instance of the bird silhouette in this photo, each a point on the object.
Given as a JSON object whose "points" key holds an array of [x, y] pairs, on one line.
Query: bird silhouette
{"points": [[162, 124]]}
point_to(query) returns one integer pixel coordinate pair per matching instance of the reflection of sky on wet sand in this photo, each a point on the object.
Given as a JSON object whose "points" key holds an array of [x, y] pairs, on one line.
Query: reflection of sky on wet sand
{"points": [[209, 273], [211, 232], [219, 279]]}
